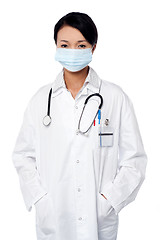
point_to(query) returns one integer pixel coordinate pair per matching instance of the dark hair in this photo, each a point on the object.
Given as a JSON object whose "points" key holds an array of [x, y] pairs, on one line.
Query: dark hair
{"points": [[82, 22]]}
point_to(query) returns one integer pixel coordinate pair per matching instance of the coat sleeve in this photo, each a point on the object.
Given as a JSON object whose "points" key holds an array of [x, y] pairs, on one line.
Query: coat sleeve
{"points": [[24, 160], [132, 160]]}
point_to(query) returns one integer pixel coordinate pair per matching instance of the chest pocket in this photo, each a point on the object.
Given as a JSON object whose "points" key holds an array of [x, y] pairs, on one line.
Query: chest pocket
{"points": [[105, 136]]}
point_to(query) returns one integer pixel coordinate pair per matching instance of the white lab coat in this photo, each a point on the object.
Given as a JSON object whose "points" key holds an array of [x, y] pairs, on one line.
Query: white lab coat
{"points": [[63, 172]]}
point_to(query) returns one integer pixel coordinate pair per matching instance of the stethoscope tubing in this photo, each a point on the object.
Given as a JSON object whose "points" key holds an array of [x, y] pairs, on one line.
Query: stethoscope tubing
{"points": [[49, 102], [92, 95], [47, 119]]}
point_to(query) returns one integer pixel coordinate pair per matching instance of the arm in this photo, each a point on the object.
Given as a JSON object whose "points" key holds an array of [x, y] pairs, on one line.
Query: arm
{"points": [[132, 160], [24, 160]]}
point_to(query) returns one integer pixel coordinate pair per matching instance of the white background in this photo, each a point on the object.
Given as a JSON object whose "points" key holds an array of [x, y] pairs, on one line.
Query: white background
{"points": [[127, 53]]}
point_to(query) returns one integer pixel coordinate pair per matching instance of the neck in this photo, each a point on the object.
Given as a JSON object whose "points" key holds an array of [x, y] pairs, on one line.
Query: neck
{"points": [[75, 80]]}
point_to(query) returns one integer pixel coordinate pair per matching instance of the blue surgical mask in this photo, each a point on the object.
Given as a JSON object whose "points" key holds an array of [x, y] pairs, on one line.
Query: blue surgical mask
{"points": [[74, 59]]}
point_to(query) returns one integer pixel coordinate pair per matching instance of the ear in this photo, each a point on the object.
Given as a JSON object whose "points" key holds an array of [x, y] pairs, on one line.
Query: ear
{"points": [[94, 47]]}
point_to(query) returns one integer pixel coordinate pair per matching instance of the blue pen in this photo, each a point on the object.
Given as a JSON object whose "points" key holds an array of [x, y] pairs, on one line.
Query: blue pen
{"points": [[99, 117]]}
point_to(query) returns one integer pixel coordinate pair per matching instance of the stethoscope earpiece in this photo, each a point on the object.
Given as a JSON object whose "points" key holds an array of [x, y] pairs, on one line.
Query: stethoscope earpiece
{"points": [[47, 120]]}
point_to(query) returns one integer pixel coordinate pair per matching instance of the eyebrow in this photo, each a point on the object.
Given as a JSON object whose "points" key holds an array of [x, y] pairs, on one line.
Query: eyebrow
{"points": [[77, 41]]}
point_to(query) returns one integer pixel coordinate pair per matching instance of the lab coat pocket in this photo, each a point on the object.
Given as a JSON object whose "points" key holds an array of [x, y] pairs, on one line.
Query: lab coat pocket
{"points": [[45, 215], [106, 207], [105, 135]]}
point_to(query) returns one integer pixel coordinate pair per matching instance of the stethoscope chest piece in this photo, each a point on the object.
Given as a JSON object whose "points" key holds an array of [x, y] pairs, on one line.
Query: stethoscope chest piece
{"points": [[47, 120]]}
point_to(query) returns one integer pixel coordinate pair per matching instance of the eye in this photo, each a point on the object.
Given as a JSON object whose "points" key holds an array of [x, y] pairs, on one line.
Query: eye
{"points": [[63, 45], [82, 45]]}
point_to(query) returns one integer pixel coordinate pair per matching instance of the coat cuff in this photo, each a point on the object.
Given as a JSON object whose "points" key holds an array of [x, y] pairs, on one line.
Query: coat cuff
{"points": [[30, 204], [115, 198]]}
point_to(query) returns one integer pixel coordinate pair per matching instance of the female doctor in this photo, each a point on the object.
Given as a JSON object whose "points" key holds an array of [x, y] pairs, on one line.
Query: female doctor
{"points": [[79, 153]]}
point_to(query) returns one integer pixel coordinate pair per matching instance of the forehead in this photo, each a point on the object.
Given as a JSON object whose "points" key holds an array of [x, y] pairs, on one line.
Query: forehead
{"points": [[70, 34]]}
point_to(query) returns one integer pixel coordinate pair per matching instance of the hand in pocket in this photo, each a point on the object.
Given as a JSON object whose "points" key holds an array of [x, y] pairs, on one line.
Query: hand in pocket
{"points": [[106, 207], [45, 214]]}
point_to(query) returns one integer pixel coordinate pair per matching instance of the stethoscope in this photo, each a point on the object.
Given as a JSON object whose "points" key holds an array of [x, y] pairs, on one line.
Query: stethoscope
{"points": [[47, 119]]}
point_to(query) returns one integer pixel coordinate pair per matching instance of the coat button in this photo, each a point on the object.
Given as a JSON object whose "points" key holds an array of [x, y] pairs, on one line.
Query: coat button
{"points": [[77, 161], [79, 189], [80, 218], [76, 107]]}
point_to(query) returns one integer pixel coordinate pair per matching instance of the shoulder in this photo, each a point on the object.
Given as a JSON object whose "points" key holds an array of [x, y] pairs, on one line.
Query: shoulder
{"points": [[112, 87], [40, 95], [115, 91], [42, 91]]}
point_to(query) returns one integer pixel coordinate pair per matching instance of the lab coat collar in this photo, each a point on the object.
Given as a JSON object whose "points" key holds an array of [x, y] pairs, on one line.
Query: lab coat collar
{"points": [[92, 81]]}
